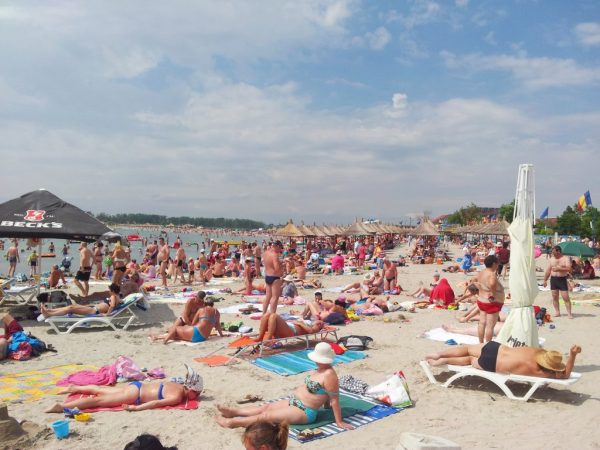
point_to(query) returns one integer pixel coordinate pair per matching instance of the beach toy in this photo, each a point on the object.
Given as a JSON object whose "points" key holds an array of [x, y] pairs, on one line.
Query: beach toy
{"points": [[61, 428], [451, 342], [83, 417]]}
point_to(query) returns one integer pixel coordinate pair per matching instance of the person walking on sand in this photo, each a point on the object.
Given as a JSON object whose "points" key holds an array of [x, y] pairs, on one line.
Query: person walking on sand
{"points": [[273, 276], [85, 269], [13, 258], [163, 259], [557, 271], [491, 298]]}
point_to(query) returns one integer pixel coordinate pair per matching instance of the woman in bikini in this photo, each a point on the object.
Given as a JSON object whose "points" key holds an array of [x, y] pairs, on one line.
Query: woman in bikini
{"points": [[205, 319], [272, 326], [98, 257], [119, 258], [134, 396], [104, 308], [319, 390]]}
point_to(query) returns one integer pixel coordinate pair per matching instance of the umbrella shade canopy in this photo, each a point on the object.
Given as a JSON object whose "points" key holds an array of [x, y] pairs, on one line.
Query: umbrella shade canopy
{"points": [[306, 230], [573, 248], [426, 228], [496, 228], [357, 229], [41, 214], [112, 236], [290, 230], [520, 328]]}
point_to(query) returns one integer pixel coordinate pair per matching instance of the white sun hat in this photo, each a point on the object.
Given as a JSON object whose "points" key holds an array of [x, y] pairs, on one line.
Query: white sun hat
{"points": [[322, 354]]}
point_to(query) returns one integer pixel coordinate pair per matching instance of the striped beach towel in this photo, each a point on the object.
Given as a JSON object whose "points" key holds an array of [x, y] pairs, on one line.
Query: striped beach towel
{"points": [[298, 362], [357, 410]]}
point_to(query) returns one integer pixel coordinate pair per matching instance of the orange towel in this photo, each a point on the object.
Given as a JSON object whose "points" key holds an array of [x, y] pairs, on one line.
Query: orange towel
{"points": [[242, 342], [214, 360]]}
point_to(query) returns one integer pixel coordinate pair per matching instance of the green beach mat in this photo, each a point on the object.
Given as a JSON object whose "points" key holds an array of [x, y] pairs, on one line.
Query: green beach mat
{"points": [[350, 405], [298, 362]]}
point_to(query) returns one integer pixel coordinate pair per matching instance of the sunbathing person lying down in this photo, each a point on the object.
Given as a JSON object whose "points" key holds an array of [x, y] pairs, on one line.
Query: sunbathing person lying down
{"points": [[320, 389], [272, 326], [494, 357], [104, 308], [134, 396], [205, 319]]}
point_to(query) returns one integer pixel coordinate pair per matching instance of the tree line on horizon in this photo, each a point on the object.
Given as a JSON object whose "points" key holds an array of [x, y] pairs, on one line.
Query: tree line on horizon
{"points": [[571, 221], [156, 219]]}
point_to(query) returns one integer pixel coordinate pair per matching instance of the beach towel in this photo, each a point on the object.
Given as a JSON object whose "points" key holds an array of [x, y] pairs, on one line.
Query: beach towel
{"points": [[442, 292], [337, 289], [298, 362], [186, 405], [357, 410], [105, 376], [214, 360], [35, 384], [441, 335], [242, 342]]}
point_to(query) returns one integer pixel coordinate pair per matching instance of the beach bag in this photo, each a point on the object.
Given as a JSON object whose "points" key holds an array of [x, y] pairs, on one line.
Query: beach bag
{"points": [[393, 391], [353, 342], [393, 305], [128, 370]]}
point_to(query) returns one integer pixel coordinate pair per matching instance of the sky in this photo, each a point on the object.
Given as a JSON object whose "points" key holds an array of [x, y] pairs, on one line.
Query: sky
{"points": [[316, 110]]}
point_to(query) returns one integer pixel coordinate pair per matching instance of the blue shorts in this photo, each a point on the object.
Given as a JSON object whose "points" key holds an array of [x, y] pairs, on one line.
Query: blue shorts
{"points": [[197, 337]]}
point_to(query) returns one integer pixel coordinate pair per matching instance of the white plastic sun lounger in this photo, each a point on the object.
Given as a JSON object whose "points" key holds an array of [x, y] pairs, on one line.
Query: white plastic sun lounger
{"points": [[122, 317], [500, 379], [21, 295]]}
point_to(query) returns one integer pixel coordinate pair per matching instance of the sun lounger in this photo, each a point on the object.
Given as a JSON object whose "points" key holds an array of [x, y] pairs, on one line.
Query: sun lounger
{"points": [[244, 344], [500, 379], [21, 295], [122, 317]]}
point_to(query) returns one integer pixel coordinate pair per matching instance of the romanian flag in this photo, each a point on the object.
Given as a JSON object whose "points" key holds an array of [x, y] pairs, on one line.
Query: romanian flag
{"points": [[584, 201]]}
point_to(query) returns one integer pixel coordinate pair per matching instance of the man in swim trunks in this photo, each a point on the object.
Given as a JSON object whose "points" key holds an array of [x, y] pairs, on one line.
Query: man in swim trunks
{"points": [[390, 274], [257, 252], [13, 258], [273, 275], [152, 252], [557, 271], [163, 259], [491, 298], [179, 260], [56, 275], [11, 326], [494, 357], [85, 269]]}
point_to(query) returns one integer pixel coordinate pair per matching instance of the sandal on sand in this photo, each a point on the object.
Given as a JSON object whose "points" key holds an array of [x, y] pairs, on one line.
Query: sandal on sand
{"points": [[250, 398], [308, 434]]}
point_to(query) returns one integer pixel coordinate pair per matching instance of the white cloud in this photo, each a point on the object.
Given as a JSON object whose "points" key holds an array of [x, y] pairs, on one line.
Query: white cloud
{"points": [[461, 3], [588, 33], [490, 38], [336, 13], [534, 73], [376, 40], [399, 101], [421, 12]]}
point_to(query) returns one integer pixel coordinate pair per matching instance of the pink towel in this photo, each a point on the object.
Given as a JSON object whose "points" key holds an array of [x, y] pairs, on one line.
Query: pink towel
{"points": [[107, 375]]}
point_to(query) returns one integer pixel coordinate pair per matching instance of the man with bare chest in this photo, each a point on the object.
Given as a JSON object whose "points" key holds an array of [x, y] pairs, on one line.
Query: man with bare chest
{"points": [[273, 276], [85, 269], [163, 259], [557, 271]]}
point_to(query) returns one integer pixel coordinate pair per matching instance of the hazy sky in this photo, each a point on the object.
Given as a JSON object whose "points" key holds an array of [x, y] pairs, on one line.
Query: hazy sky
{"points": [[318, 110]]}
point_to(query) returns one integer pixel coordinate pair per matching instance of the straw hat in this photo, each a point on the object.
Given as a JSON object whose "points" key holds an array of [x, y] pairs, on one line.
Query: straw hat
{"points": [[368, 276], [322, 354], [288, 278], [551, 360]]}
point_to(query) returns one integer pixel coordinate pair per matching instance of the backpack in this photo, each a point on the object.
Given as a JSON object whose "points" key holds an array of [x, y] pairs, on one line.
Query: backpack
{"points": [[353, 342]]}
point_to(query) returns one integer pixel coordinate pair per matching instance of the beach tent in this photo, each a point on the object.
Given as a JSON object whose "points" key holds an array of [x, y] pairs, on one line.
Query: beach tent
{"points": [[290, 230], [426, 228], [42, 215], [520, 328]]}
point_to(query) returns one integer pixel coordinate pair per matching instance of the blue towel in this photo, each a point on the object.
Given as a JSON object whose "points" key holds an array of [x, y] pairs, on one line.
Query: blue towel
{"points": [[298, 362]]}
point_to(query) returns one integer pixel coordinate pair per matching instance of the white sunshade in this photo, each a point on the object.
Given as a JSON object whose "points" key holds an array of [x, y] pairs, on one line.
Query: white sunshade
{"points": [[520, 328]]}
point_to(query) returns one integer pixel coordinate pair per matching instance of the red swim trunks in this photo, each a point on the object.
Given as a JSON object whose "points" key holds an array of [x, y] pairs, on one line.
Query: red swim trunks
{"points": [[11, 329], [489, 308]]}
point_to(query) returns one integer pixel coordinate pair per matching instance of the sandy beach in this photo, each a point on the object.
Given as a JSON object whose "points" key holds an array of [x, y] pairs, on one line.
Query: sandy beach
{"points": [[475, 414]]}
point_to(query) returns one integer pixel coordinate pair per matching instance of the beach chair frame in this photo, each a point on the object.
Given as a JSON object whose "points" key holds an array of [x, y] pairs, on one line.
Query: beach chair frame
{"points": [[22, 297], [124, 317], [500, 379]]}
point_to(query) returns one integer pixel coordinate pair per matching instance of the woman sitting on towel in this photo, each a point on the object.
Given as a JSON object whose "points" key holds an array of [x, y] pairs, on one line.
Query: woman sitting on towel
{"points": [[104, 308], [134, 396], [272, 326], [321, 389], [205, 319], [493, 357]]}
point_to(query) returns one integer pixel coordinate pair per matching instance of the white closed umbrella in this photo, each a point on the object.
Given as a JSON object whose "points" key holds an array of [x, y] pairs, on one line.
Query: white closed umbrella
{"points": [[520, 328]]}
